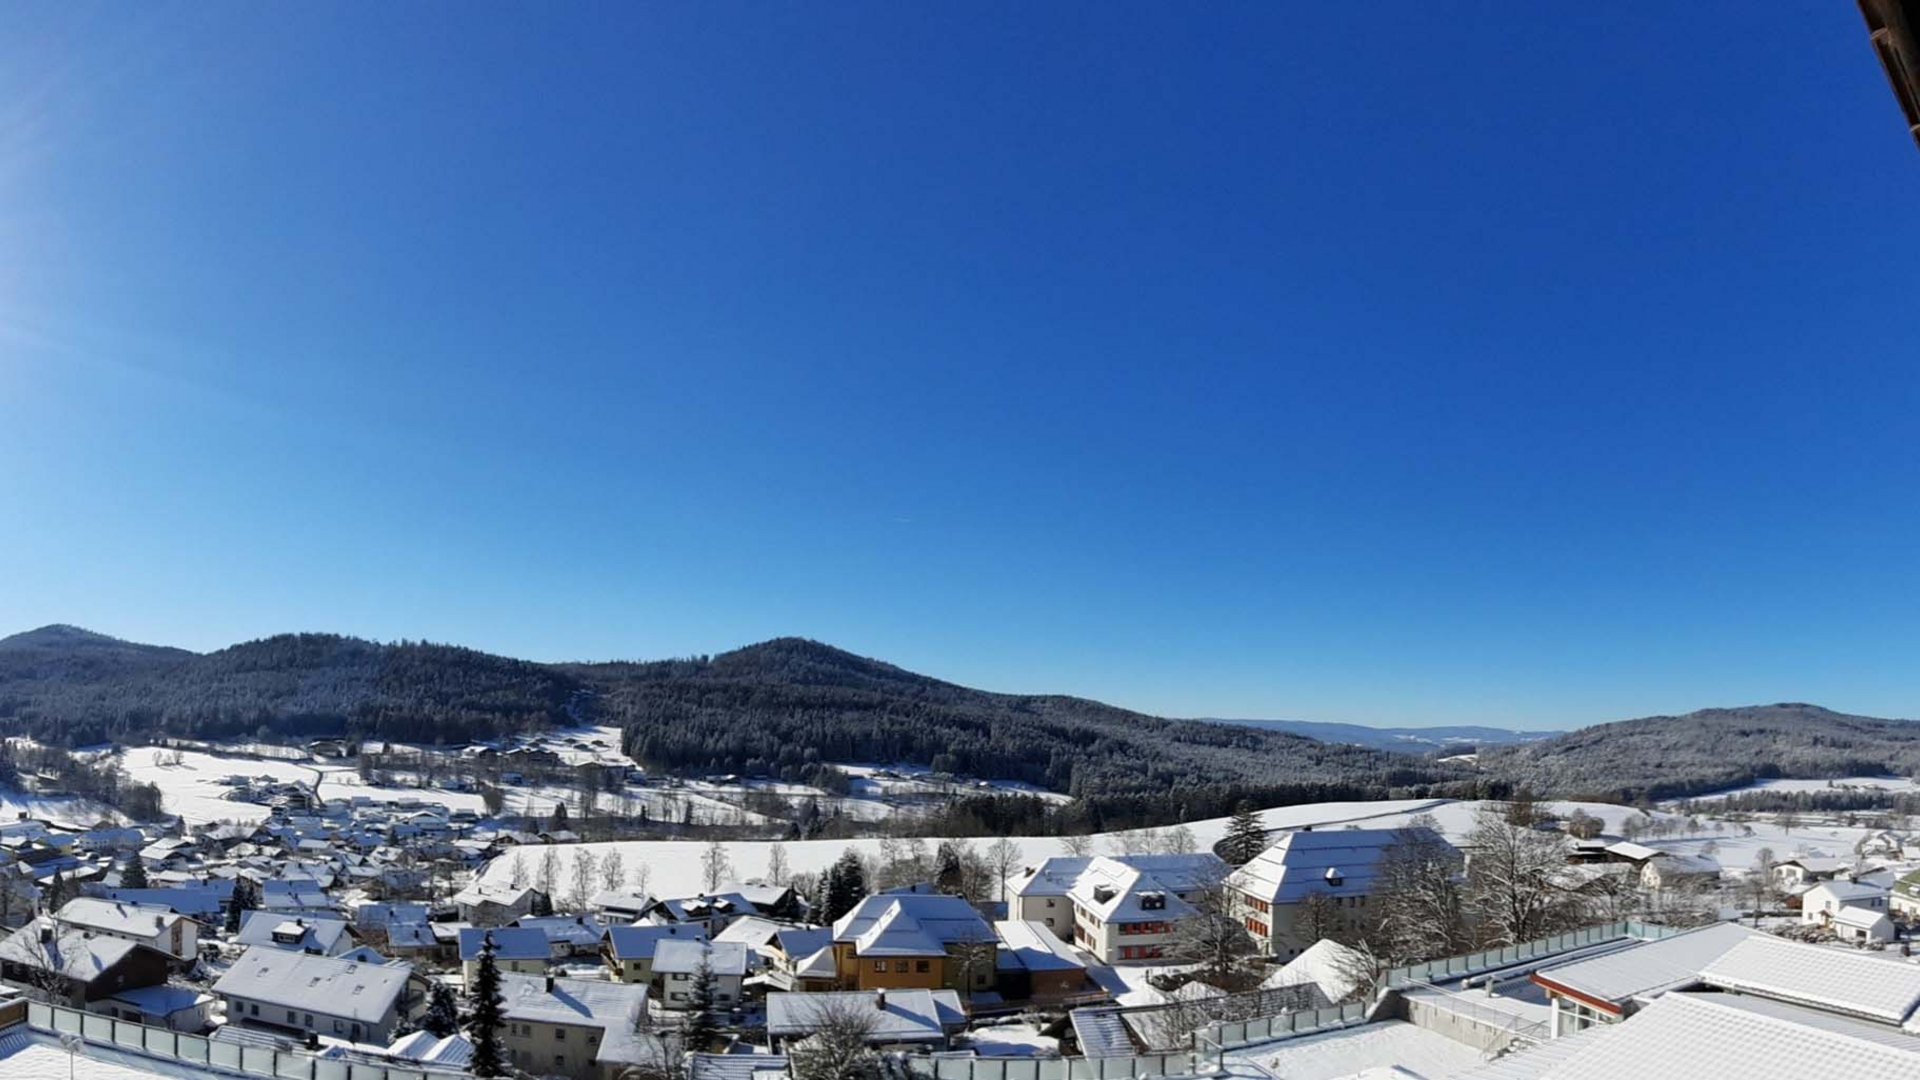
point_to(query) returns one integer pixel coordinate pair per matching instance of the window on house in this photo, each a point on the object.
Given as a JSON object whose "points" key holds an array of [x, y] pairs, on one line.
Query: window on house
{"points": [[923, 966], [559, 1034], [292, 1017], [899, 965], [879, 965], [559, 1061]]}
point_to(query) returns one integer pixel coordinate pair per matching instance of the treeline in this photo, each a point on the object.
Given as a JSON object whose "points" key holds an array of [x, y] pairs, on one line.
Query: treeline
{"points": [[1841, 800]]}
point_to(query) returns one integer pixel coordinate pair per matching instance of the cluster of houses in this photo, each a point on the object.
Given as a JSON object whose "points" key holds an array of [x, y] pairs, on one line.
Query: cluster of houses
{"points": [[331, 924]]}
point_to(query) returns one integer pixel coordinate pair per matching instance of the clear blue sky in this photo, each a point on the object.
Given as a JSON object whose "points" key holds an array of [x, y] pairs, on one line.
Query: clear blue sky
{"points": [[1436, 363]]}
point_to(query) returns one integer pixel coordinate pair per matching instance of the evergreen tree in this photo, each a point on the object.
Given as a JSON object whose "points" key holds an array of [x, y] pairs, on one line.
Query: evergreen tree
{"points": [[1246, 838], [443, 1012], [484, 1017], [57, 893], [542, 904], [845, 885], [245, 898], [559, 819], [702, 1026], [134, 875], [948, 872]]}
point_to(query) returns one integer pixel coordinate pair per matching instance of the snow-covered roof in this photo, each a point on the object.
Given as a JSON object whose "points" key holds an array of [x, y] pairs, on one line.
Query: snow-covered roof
{"points": [[818, 964], [1692, 1036], [1181, 873], [572, 1001], [1101, 1032], [1854, 983], [201, 901], [388, 914], [1674, 863], [1646, 968], [163, 1000], [426, 1047], [278, 931], [502, 893], [1847, 891], [1860, 917], [1815, 864], [1297, 865], [115, 917], [740, 1066], [364, 992], [1119, 892], [620, 900], [800, 941], [1332, 967], [1632, 852], [752, 931], [1034, 947], [638, 942], [683, 956], [576, 930], [77, 956], [910, 924], [900, 1016], [509, 943]]}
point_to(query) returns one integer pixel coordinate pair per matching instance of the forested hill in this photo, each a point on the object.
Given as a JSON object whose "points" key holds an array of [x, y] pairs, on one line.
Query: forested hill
{"points": [[65, 685], [1660, 757], [779, 708], [782, 706]]}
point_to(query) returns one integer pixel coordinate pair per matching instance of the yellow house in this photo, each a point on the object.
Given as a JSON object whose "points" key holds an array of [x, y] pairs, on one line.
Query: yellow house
{"points": [[914, 941]]}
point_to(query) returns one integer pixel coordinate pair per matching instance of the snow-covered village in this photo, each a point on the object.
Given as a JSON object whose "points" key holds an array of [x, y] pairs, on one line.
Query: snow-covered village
{"points": [[851, 540], [298, 914]]}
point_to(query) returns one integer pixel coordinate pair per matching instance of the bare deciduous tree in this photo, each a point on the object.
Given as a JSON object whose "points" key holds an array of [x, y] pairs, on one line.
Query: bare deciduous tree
{"points": [[1003, 855], [613, 870], [715, 866], [837, 1044], [1514, 883]]}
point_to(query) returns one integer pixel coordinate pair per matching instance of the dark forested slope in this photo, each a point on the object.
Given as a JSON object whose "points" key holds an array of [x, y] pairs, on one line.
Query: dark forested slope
{"points": [[781, 706], [64, 685], [1659, 757]]}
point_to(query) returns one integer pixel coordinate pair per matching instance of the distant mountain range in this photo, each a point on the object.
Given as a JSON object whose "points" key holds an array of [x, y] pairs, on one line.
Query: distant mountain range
{"points": [[789, 706], [1417, 740]]}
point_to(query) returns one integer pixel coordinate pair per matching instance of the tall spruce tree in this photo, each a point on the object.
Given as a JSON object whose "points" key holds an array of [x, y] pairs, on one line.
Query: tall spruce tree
{"points": [[1246, 838], [443, 1012], [484, 1019], [245, 898], [134, 874], [845, 886], [702, 1026]]}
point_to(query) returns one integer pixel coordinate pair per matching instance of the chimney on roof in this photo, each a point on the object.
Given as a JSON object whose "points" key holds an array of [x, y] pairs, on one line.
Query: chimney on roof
{"points": [[159, 922], [46, 934], [880, 1000], [549, 984]]}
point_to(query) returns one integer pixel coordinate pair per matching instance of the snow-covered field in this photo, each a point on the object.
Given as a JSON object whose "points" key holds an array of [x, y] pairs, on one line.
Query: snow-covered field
{"points": [[1900, 784], [57, 809], [192, 788]]}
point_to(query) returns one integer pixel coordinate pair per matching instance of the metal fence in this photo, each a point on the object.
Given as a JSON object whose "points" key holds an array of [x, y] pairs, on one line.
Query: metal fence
{"points": [[198, 1050], [1489, 960], [1239, 1033], [1072, 1068]]}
